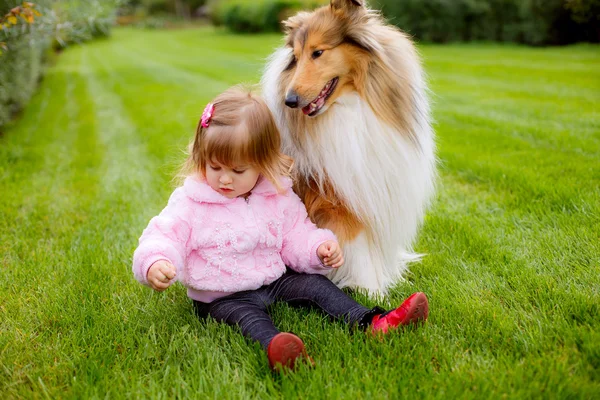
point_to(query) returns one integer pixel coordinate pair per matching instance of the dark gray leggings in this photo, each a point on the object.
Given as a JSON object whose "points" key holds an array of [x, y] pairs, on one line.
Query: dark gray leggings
{"points": [[248, 309]]}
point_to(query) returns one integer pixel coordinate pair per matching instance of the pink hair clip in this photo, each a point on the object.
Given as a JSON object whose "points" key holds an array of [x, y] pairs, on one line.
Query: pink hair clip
{"points": [[207, 115]]}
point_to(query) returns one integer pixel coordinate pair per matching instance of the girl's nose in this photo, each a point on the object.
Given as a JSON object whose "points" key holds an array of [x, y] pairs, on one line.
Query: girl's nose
{"points": [[225, 179]]}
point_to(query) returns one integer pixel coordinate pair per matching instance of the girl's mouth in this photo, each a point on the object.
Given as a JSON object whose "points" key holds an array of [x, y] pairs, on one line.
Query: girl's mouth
{"points": [[226, 190], [314, 106]]}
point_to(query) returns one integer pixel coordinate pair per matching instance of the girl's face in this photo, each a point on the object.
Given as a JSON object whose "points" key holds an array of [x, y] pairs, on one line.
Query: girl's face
{"points": [[231, 182]]}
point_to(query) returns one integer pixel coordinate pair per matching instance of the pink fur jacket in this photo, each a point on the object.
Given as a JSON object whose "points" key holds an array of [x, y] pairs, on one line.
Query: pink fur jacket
{"points": [[222, 246]]}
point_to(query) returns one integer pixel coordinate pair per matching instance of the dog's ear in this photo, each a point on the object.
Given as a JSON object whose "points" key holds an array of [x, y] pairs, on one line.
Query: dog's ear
{"points": [[347, 5], [295, 22]]}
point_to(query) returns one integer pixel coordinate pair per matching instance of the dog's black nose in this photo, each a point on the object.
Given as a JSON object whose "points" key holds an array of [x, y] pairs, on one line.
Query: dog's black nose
{"points": [[291, 100]]}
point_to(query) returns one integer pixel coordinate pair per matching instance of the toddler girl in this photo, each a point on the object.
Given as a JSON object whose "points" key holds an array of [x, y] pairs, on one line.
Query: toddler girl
{"points": [[230, 231]]}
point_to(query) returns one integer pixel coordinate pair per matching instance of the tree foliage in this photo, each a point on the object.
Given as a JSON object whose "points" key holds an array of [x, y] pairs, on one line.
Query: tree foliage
{"points": [[256, 15], [534, 22]]}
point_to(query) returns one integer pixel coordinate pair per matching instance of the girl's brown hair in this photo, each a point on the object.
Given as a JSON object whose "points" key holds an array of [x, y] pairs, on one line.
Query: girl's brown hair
{"points": [[242, 129]]}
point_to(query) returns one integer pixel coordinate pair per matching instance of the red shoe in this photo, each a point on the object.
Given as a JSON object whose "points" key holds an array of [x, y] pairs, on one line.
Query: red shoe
{"points": [[414, 310], [284, 350]]}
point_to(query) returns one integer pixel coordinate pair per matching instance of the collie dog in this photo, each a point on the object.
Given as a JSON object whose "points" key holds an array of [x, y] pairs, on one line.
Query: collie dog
{"points": [[348, 94]]}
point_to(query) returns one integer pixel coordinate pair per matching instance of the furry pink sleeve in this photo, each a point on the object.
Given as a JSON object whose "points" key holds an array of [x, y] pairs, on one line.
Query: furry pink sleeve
{"points": [[165, 237], [301, 238]]}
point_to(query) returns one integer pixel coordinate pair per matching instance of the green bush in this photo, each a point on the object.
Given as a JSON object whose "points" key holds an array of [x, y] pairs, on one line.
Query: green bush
{"points": [[534, 22], [62, 22], [20, 63], [183, 8], [19, 74], [79, 21], [256, 15]]}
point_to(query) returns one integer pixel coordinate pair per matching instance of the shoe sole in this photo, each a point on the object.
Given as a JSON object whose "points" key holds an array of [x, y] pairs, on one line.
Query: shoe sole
{"points": [[418, 310], [284, 349]]}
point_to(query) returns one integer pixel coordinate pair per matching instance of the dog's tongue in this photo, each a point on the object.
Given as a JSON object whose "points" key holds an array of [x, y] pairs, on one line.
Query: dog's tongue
{"points": [[314, 106]]}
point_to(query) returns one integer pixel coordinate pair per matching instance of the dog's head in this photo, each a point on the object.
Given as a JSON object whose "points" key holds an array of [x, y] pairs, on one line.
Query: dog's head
{"points": [[329, 55]]}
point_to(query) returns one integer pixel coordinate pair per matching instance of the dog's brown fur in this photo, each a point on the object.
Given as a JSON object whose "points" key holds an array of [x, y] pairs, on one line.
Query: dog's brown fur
{"points": [[327, 211]]}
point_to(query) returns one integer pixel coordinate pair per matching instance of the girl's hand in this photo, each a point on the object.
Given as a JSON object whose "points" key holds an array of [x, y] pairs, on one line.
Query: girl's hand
{"points": [[331, 254], [160, 275]]}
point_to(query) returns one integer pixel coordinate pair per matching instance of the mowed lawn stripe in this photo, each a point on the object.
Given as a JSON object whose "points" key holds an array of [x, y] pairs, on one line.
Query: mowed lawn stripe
{"points": [[150, 67], [516, 223], [208, 53], [54, 206], [164, 103], [125, 165]]}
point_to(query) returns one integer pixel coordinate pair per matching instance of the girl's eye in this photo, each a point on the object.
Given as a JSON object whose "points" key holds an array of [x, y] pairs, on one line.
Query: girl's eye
{"points": [[239, 171], [317, 53], [214, 168]]}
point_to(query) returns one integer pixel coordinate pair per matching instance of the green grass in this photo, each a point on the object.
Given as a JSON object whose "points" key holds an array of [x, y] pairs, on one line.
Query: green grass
{"points": [[513, 238]]}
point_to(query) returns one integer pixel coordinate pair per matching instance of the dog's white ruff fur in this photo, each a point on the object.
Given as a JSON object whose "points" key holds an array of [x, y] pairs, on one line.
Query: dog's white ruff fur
{"points": [[384, 177]]}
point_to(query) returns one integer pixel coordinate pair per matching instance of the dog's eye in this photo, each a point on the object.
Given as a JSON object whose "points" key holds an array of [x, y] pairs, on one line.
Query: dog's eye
{"points": [[317, 54]]}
